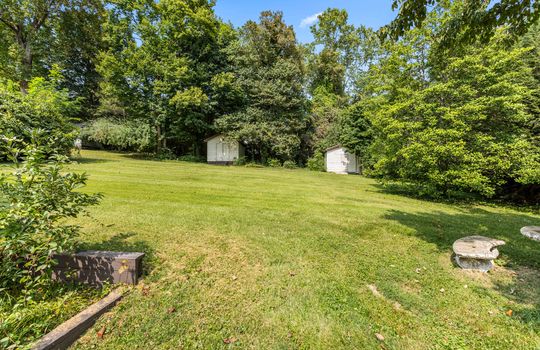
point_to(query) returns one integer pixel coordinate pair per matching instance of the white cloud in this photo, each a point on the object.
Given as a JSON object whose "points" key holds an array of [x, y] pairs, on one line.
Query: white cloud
{"points": [[308, 21]]}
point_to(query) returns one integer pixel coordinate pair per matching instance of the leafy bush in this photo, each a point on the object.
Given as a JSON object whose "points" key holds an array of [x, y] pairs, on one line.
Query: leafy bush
{"points": [[316, 163], [44, 108], [289, 164], [38, 196], [254, 165], [164, 154], [274, 163], [469, 131], [132, 135], [240, 161], [192, 159]]}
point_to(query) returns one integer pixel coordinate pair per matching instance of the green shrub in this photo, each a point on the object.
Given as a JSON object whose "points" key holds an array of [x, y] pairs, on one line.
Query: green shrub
{"points": [[131, 135], [42, 108], [274, 163], [254, 165], [316, 163], [164, 154], [289, 164], [240, 161], [192, 159], [467, 131], [38, 196]]}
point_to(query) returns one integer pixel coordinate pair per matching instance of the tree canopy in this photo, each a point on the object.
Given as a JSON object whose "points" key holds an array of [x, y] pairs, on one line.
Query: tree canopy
{"points": [[270, 73], [449, 105], [471, 20]]}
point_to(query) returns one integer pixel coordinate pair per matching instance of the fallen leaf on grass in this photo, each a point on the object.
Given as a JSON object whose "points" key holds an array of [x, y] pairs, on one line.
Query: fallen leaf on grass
{"points": [[101, 333], [229, 340], [509, 313], [144, 289], [292, 274], [379, 337], [171, 310], [234, 278]]}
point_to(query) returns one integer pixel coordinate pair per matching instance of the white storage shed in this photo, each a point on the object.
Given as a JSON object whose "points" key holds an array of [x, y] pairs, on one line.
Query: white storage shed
{"points": [[221, 151], [339, 161]]}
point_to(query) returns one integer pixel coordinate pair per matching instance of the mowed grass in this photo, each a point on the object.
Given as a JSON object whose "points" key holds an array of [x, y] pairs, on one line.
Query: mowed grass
{"points": [[248, 258]]}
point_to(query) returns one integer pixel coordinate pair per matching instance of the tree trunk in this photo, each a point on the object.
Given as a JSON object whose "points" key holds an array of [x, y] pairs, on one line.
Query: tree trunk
{"points": [[27, 61], [158, 138]]}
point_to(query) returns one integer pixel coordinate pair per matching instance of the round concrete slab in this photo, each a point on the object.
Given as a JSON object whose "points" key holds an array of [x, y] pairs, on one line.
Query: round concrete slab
{"points": [[477, 247], [532, 232]]}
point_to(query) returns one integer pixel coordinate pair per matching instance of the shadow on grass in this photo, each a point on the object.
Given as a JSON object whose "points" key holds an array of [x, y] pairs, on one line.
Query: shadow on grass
{"points": [[143, 156], [443, 229], [156, 158], [520, 255], [418, 192], [121, 243], [86, 160], [524, 293]]}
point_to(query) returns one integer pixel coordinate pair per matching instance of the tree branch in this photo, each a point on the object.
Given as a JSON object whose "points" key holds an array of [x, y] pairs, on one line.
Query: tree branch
{"points": [[7, 22]]}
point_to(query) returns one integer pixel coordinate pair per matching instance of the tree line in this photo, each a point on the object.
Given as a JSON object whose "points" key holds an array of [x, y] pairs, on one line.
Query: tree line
{"points": [[451, 106]]}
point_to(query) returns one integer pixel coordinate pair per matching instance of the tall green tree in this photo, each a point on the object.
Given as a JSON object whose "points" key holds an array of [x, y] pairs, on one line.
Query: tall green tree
{"points": [[463, 129], [473, 19], [335, 47], [34, 28], [339, 57], [531, 42], [78, 39], [166, 66], [269, 70]]}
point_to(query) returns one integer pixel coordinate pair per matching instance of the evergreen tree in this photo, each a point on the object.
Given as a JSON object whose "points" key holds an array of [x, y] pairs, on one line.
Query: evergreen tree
{"points": [[269, 71]]}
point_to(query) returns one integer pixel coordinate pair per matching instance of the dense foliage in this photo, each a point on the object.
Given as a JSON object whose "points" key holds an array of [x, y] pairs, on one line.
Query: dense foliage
{"points": [[42, 107], [270, 73], [473, 20], [450, 104], [166, 66], [36, 198], [129, 135], [40, 34], [467, 131]]}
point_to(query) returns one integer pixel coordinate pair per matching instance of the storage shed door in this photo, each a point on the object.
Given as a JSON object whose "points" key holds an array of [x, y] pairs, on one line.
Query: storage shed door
{"points": [[222, 151]]}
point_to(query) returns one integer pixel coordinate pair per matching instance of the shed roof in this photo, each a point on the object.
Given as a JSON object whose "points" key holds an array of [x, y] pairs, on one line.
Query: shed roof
{"points": [[212, 137], [218, 135], [333, 148]]}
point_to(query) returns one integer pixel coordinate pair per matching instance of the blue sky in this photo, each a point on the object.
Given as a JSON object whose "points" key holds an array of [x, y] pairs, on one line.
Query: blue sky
{"points": [[300, 13]]}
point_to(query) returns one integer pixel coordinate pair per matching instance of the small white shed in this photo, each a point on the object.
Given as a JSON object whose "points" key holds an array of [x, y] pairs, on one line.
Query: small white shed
{"points": [[339, 161], [221, 151]]}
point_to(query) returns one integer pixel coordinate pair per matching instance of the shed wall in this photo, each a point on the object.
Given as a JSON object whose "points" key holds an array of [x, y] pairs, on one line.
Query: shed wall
{"points": [[221, 151], [339, 161]]}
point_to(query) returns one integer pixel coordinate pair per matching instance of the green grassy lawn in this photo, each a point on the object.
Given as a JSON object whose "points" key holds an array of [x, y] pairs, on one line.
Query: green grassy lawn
{"points": [[291, 259]]}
